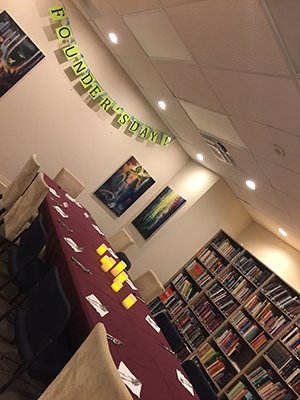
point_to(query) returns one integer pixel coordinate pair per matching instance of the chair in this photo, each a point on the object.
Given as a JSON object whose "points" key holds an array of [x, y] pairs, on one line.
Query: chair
{"points": [[91, 374], [19, 184], [40, 337], [69, 183], [120, 241], [149, 286], [122, 256], [24, 268], [15, 219], [198, 380], [171, 333]]}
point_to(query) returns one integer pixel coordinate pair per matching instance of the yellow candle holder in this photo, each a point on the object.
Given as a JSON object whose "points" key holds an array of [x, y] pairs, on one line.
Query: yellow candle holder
{"points": [[107, 263], [118, 268], [122, 277], [101, 249], [129, 301], [116, 286]]}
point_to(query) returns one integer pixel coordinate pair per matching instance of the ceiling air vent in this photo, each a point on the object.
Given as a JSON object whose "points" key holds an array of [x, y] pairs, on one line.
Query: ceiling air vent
{"points": [[218, 149]]}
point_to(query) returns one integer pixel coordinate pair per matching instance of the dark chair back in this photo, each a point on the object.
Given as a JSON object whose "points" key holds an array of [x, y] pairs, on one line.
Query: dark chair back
{"points": [[198, 380], [32, 241], [170, 331], [122, 256], [42, 325]]}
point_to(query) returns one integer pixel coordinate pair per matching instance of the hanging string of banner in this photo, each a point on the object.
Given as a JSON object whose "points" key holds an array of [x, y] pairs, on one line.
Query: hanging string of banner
{"points": [[95, 90]]}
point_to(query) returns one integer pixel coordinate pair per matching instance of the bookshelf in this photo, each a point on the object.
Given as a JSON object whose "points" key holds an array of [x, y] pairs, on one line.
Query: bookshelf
{"points": [[240, 322]]}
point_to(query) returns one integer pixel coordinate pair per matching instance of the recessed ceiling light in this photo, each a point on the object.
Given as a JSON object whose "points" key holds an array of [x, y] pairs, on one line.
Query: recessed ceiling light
{"points": [[162, 104], [251, 185], [113, 37], [200, 156], [282, 232]]}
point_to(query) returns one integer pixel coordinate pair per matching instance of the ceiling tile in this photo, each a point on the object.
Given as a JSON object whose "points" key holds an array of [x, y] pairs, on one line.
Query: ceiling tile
{"points": [[167, 3], [129, 6], [283, 179], [157, 35], [261, 140], [244, 161], [212, 122], [286, 16], [270, 100], [292, 205], [229, 34], [143, 73], [96, 8], [127, 45], [186, 81], [263, 197]]}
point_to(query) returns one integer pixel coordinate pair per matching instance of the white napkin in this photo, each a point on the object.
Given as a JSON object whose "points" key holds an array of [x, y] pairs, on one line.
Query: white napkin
{"points": [[73, 200], [54, 192], [98, 306], [131, 284], [74, 245], [152, 323], [185, 382], [98, 229], [61, 212], [129, 379]]}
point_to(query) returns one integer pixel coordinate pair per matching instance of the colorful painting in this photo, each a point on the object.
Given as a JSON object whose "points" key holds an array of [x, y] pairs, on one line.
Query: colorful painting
{"points": [[124, 187], [158, 212], [18, 54]]}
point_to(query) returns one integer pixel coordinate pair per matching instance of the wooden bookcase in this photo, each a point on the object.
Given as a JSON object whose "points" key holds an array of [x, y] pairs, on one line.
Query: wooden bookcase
{"points": [[239, 322]]}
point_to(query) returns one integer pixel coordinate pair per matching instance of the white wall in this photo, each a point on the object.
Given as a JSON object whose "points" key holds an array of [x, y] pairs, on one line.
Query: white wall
{"points": [[280, 257], [43, 113]]}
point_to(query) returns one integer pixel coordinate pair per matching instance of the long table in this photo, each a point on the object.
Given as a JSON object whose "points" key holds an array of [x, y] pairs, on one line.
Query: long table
{"points": [[142, 349]]}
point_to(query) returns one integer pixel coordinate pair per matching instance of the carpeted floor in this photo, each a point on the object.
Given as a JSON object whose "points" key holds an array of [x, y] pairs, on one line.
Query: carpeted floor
{"points": [[27, 388]]}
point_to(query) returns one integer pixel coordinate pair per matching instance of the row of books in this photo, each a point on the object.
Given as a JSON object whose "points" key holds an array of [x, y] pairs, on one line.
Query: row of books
{"points": [[190, 329], [250, 331], [240, 288], [198, 273], [174, 305], [292, 340], [252, 269], [263, 311], [240, 392], [227, 248], [287, 366], [207, 314], [283, 297], [229, 342], [225, 302], [212, 261], [267, 386], [215, 365]]}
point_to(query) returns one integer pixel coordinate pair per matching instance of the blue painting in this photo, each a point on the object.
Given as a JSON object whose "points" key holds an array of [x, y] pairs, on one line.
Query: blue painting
{"points": [[124, 187]]}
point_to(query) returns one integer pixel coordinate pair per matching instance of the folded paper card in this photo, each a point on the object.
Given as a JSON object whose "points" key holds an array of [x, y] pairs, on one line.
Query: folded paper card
{"points": [[73, 245], [54, 192], [130, 380], [131, 284], [73, 200], [98, 306], [97, 229], [61, 212], [185, 382], [152, 323]]}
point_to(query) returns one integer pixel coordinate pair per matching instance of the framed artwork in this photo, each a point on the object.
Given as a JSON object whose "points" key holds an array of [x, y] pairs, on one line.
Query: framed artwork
{"points": [[125, 186], [158, 212], [18, 54]]}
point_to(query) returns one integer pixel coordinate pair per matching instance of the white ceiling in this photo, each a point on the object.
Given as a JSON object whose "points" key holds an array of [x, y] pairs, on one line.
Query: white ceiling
{"points": [[226, 68]]}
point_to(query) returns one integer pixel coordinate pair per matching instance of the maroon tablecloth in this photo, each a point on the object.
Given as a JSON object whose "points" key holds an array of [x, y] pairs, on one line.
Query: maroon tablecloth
{"points": [[141, 352]]}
